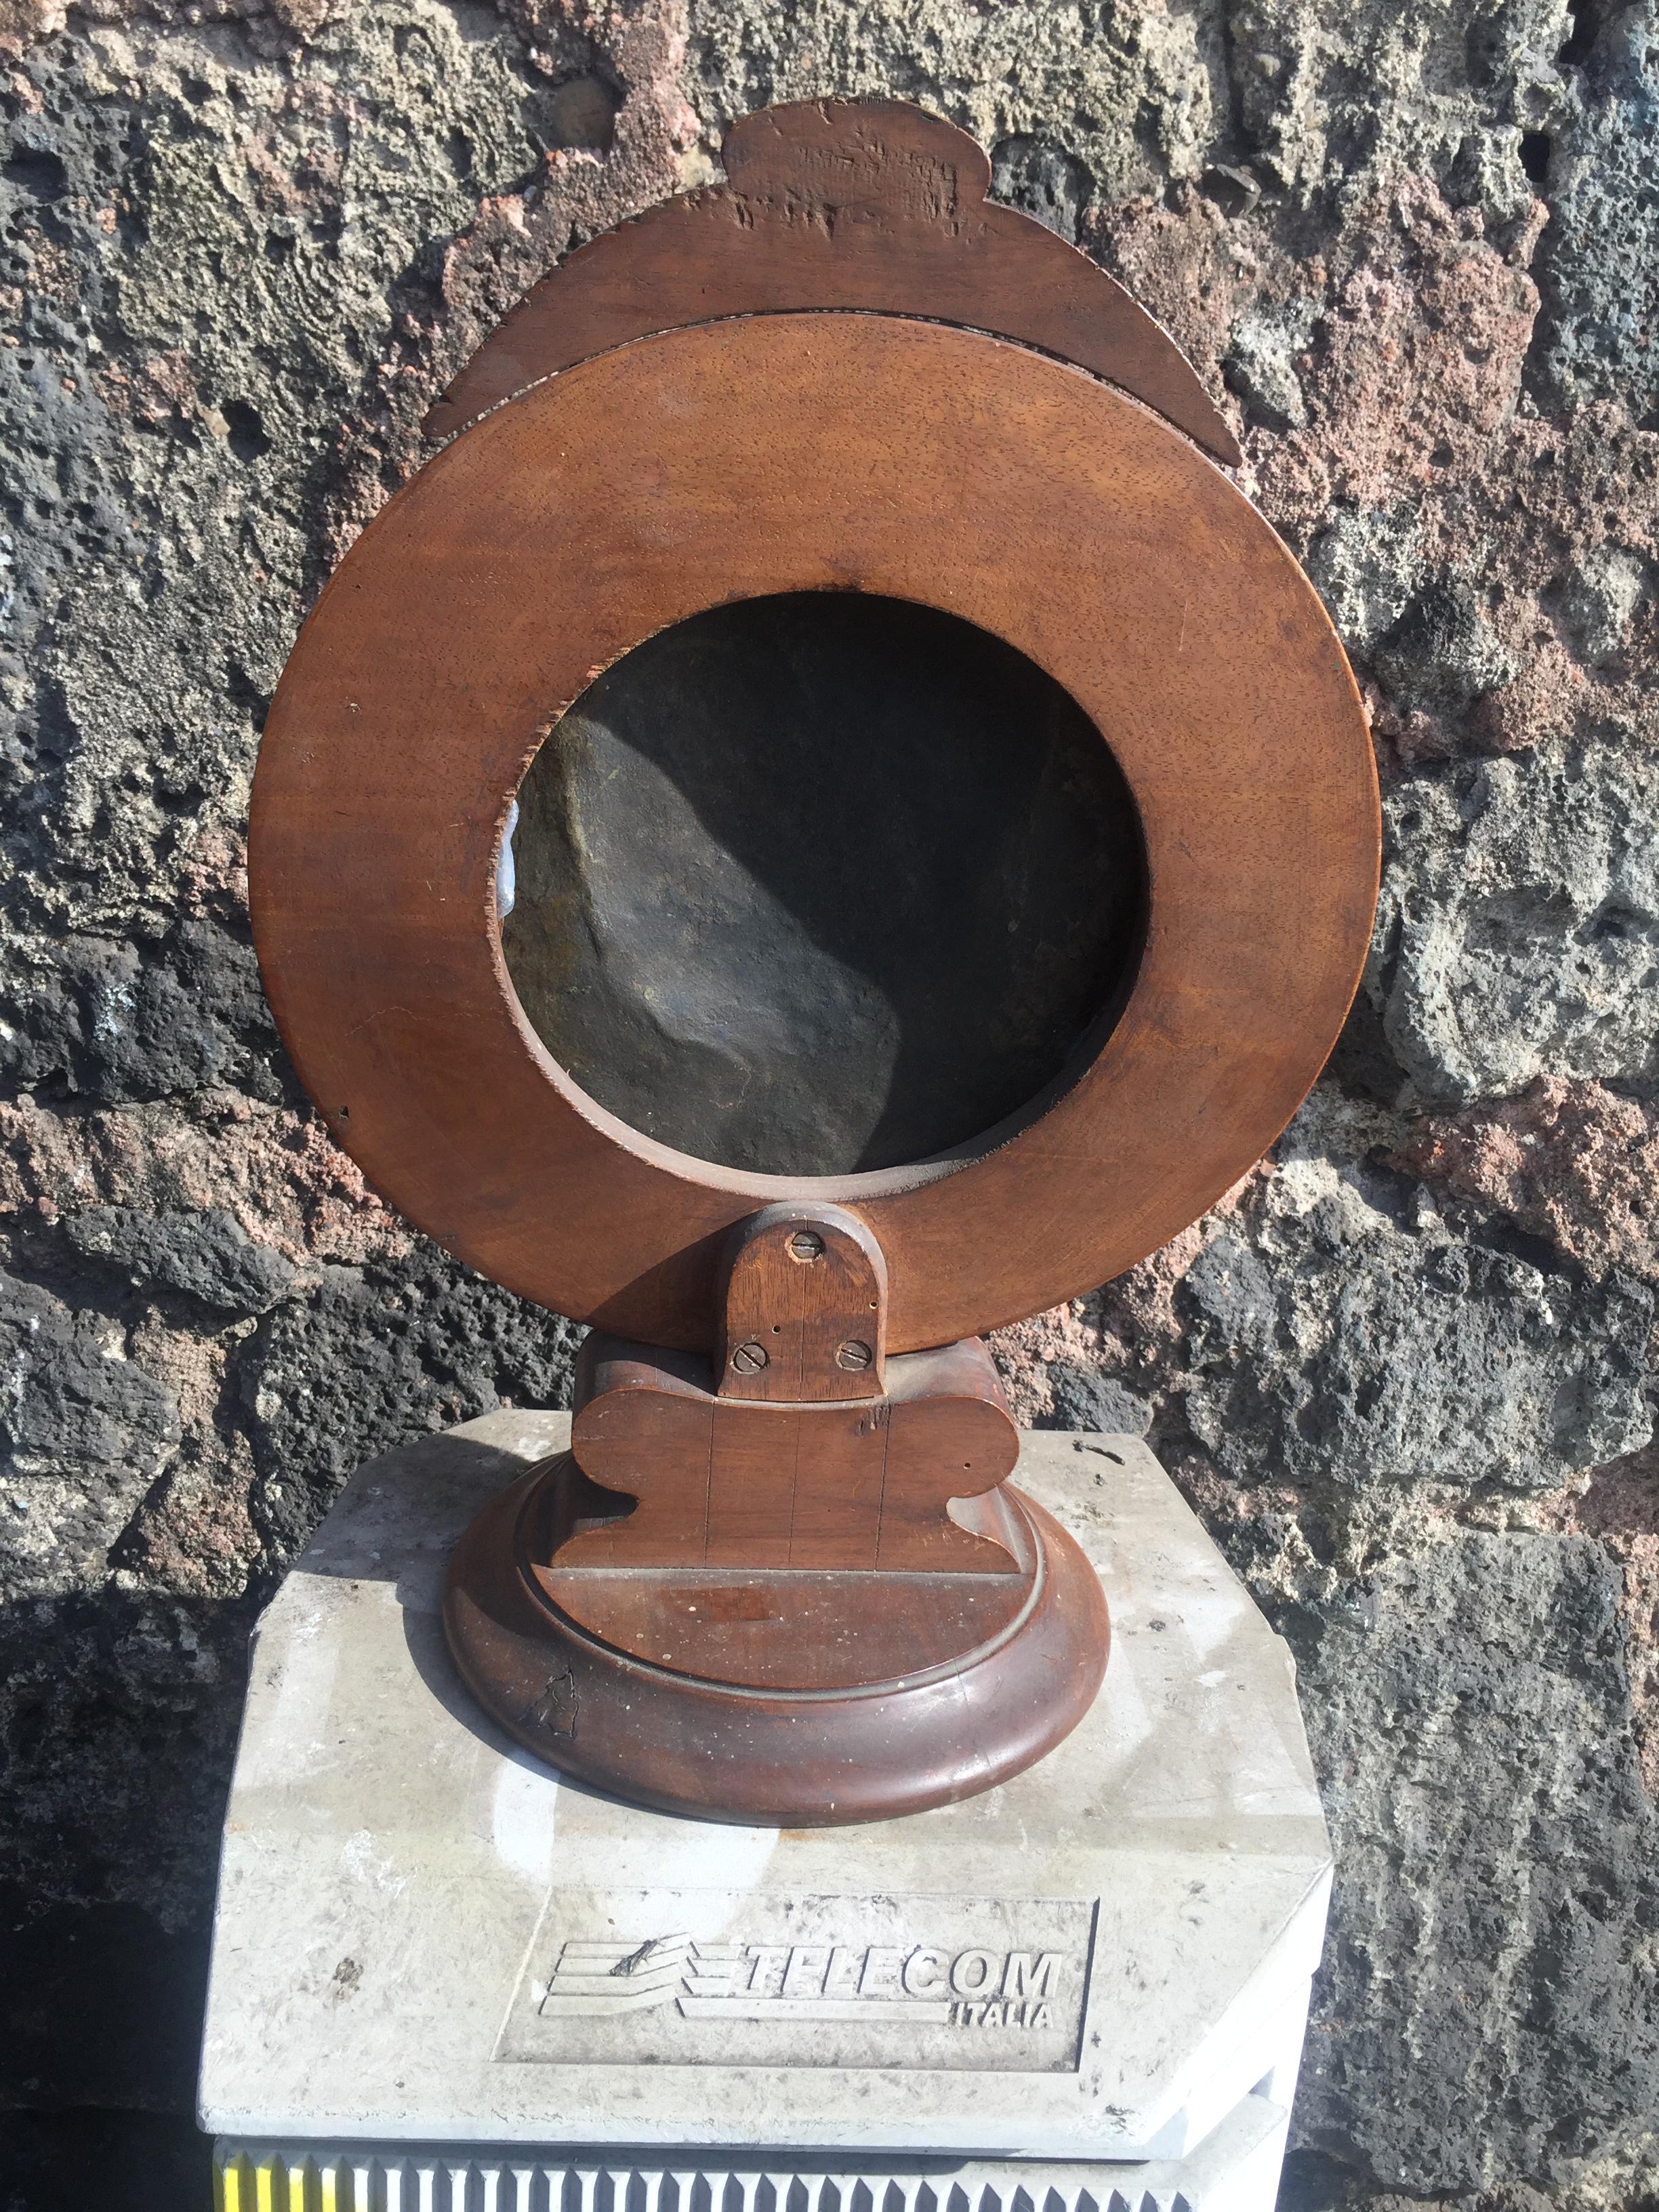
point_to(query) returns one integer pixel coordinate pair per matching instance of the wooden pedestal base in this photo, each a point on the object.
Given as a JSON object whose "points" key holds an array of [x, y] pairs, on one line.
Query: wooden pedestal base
{"points": [[884, 1691], [789, 1583]]}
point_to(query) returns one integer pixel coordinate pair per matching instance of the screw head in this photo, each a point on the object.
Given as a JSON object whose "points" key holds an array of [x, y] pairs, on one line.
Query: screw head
{"points": [[805, 1244], [749, 1358], [853, 1356]]}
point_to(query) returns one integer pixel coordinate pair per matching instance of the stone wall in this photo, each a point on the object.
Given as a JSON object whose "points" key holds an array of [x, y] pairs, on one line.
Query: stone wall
{"points": [[1401, 1369]]}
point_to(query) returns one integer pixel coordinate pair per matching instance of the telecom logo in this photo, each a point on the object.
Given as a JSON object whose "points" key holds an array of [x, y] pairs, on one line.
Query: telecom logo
{"points": [[923, 1983]]}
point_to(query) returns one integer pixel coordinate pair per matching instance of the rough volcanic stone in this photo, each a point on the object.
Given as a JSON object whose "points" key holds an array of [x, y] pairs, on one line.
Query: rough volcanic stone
{"points": [[1343, 1339], [83, 1433], [1518, 930], [1575, 1163], [1379, 1394], [374, 1354], [1342, 1326], [1497, 1867], [821, 882], [207, 1256], [1412, 248], [1619, 1506], [138, 1020], [1599, 331], [1083, 1398], [212, 233]]}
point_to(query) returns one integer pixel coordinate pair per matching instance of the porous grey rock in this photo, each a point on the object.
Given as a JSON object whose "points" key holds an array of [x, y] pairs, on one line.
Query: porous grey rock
{"points": [[1332, 1337], [1599, 600], [1068, 91], [1598, 332], [207, 1255], [83, 1433], [373, 1354], [1498, 1869], [214, 236], [86, 1016], [1366, 566], [1147, 98], [1083, 1398], [1377, 1389], [1443, 654], [1261, 363], [1044, 181], [1575, 1164], [1518, 929], [213, 241]]}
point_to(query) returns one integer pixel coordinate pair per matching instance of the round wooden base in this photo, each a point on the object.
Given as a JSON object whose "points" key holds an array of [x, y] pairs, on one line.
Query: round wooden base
{"points": [[830, 1719]]}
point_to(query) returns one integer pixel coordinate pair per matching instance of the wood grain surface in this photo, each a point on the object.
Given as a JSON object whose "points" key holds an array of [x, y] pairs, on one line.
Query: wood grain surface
{"points": [[721, 1482], [809, 452], [777, 1710], [805, 1308], [797, 1632], [870, 205]]}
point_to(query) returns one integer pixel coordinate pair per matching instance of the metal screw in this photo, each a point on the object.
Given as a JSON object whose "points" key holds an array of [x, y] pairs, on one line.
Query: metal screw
{"points": [[805, 1245], [749, 1358], [853, 1355]]}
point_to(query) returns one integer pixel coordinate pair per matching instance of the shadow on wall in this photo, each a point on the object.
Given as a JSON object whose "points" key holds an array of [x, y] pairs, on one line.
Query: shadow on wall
{"points": [[119, 2161], [117, 1719]]}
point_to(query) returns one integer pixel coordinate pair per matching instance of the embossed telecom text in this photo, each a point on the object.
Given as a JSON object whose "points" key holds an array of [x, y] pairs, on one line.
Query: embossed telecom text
{"points": [[988, 1983]]}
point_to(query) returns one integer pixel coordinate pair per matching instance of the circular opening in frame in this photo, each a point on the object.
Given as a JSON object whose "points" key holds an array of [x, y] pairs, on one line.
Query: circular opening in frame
{"points": [[821, 884]]}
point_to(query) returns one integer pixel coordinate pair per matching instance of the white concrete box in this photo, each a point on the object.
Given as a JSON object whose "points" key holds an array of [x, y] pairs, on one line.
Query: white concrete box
{"points": [[423, 1937]]}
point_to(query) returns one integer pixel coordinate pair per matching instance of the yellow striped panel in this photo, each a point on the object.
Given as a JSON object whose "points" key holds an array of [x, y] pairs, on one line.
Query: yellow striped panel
{"points": [[268, 2183]]}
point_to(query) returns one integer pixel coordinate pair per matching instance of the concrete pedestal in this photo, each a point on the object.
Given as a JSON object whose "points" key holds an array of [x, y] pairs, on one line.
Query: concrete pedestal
{"points": [[424, 1939]]}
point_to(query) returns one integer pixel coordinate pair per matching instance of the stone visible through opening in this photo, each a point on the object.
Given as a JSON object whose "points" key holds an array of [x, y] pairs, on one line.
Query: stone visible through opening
{"points": [[822, 883]]}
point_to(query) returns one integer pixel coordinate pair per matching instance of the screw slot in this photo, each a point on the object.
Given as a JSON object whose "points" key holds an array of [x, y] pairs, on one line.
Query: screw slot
{"points": [[853, 1356], [749, 1358], [805, 1244]]}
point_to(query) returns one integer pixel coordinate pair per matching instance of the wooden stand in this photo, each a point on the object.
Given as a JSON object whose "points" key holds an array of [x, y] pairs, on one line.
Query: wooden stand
{"points": [[778, 1577], [790, 1587]]}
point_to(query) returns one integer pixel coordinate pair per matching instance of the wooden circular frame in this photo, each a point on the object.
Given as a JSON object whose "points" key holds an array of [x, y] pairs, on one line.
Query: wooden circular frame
{"points": [[789, 452]]}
